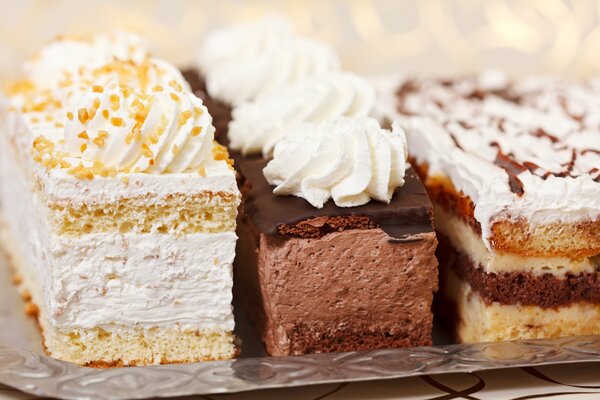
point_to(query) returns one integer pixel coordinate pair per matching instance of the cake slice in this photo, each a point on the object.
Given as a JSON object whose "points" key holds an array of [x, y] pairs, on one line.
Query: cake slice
{"points": [[512, 170], [354, 273], [119, 210]]}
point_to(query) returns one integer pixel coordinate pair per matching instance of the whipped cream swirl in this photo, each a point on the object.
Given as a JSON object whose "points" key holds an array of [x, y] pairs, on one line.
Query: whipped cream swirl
{"points": [[257, 126], [351, 160], [241, 63], [67, 56], [137, 132]]}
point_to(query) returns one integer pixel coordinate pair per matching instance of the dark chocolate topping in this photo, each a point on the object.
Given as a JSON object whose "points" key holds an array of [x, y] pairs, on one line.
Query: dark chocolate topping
{"points": [[409, 212]]}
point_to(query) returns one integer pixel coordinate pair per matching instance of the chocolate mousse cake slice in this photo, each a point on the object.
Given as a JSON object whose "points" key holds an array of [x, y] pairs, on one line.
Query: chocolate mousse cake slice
{"points": [[512, 170], [355, 273]]}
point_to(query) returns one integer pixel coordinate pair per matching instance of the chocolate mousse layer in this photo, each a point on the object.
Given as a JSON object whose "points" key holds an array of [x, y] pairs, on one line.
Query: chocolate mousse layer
{"points": [[335, 279], [542, 290], [220, 111]]}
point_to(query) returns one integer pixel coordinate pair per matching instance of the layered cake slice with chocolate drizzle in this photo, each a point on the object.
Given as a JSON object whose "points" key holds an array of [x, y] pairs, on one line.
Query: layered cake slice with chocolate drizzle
{"points": [[513, 172], [336, 249]]}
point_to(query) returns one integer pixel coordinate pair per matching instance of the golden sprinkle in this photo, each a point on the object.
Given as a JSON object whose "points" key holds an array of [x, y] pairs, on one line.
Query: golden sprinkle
{"points": [[116, 121], [175, 150], [146, 152], [196, 130], [105, 113], [157, 88], [202, 171], [114, 102], [70, 116], [83, 147], [59, 125], [97, 89], [197, 111], [82, 115], [176, 86], [99, 141], [174, 96], [83, 135]]}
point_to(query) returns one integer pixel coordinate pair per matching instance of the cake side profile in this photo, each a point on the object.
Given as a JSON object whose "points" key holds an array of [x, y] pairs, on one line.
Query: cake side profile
{"points": [[512, 170], [118, 208], [308, 286]]}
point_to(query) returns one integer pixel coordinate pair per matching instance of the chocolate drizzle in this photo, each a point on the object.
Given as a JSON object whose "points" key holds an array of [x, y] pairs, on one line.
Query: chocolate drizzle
{"points": [[408, 215], [543, 134], [418, 97], [512, 169]]}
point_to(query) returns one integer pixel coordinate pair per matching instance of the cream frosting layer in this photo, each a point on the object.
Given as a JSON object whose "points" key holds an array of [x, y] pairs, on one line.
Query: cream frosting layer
{"points": [[62, 187], [101, 279], [465, 240], [117, 111], [351, 160], [463, 128], [256, 126], [243, 62]]}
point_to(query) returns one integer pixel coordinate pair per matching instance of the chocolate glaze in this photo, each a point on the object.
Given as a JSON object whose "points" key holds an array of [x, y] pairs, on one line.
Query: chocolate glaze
{"points": [[409, 213]]}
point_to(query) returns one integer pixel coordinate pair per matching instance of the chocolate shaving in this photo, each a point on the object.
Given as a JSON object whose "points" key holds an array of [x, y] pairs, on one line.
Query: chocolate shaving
{"points": [[477, 94], [456, 142], [512, 169], [540, 133]]}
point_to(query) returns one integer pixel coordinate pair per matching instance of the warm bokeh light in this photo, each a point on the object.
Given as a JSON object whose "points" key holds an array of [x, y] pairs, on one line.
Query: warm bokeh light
{"points": [[519, 36]]}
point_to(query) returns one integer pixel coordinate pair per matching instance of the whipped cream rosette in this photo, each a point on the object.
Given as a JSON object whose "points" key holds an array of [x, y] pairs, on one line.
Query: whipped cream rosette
{"points": [[351, 160]]}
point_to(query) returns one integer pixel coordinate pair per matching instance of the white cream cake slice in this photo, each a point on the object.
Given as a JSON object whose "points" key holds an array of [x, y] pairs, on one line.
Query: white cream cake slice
{"points": [[118, 208]]}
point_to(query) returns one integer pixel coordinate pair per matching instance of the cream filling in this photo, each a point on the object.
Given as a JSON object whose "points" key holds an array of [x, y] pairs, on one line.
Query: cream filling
{"points": [[106, 279], [465, 240]]}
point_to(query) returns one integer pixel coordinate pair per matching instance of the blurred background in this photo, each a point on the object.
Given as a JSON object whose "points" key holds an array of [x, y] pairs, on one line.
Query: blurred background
{"points": [[424, 36]]}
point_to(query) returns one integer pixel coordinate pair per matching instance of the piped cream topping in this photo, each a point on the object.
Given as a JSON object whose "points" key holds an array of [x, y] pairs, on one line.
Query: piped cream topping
{"points": [[351, 160], [257, 126], [246, 61], [102, 105], [132, 131]]}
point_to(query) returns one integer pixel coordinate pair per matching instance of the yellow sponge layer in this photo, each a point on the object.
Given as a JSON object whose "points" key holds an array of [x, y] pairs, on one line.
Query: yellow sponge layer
{"points": [[205, 212]]}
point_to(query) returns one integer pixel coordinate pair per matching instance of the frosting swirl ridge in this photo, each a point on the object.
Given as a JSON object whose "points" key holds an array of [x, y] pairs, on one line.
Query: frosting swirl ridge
{"points": [[257, 126], [351, 160], [138, 132], [241, 63]]}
